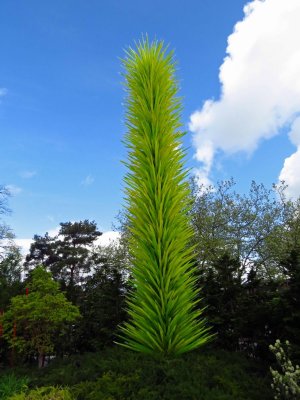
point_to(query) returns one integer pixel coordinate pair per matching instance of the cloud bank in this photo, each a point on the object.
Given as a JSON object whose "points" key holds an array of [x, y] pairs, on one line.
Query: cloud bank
{"points": [[260, 89], [108, 238], [104, 240]]}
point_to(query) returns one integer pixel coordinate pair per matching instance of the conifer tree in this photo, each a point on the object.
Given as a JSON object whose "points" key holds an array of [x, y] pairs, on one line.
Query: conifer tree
{"points": [[162, 305]]}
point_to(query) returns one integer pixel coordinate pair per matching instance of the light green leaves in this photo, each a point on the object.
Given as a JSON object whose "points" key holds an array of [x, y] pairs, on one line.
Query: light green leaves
{"points": [[38, 316], [163, 318]]}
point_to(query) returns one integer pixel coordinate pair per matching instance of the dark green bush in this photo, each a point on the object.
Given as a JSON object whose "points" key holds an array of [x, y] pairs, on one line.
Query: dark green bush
{"points": [[118, 374], [110, 386]]}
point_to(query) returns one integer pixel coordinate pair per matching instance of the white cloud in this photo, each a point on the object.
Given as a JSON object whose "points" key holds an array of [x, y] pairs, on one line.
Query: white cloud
{"points": [[260, 86], [88, 180], [3, 92], [54, 232], [14, 190], [205, 154], [108, 237], [27, 174], [24, 244], [294, 133], [104, 240], [290, 172]]}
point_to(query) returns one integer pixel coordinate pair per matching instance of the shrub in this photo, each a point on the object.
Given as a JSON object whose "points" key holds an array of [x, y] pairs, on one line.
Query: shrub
{"points": [[108, 387], [11, 384], [44, 393], [120, 374], [286, 384], [125, 375]]}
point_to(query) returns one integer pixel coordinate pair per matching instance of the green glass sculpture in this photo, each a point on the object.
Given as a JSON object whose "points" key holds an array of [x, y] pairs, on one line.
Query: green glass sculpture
{"points": [[165, 319]]}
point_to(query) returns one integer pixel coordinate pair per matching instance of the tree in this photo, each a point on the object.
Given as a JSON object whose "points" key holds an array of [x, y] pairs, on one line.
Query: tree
{"points": [[40, 252], [163, 318], [102, 307], [68, 255], [290, 300], [286, 237], [38, 316], [101, 301], [10, 276], [222, 293], [6, 234], [259, 232], [286, 382], [225, 221], [10, 286], [72, 249]]}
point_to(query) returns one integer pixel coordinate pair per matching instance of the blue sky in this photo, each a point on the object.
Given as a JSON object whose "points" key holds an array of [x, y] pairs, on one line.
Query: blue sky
{"points": [[61, 113]]}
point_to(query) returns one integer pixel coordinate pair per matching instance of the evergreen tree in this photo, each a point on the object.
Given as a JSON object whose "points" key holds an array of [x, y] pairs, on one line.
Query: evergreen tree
{"points": [[163, 318], [10, 286], [68, 255], [290, 301], [40, 252], [72, 251], [10, 276], [102, 308], [222, 292]]}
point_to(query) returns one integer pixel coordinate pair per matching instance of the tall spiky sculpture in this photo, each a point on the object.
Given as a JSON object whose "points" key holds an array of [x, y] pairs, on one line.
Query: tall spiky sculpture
{"points": [[163, 320]]}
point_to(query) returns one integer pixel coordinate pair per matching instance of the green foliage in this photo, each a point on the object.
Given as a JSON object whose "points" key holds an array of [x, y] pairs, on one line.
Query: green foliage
{"points": [[102, 307], [108, 387], [38, 316], [10, 384], [10, 285], [10, 268], [72, 252], [225, 221], [40, 252], [117, 373], [67, 255], [286, 238], [163, 319], [290, 300], [286, 382], [69, 258], [44, 393], [222, 293], [258, 230]]}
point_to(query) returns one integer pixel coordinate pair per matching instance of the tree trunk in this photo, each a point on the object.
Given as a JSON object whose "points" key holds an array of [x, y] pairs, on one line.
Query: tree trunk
{"points": [[41, 360]]}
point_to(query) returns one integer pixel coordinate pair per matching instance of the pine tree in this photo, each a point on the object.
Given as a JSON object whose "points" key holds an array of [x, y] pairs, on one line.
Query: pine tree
{"points": [[164, 320], [67, 255]]}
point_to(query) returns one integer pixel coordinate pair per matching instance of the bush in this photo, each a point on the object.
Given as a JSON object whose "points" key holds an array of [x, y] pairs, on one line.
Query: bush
{"points": [[119, 374], [44, 393], [11, 384], [286, 384], [108, 387]]}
